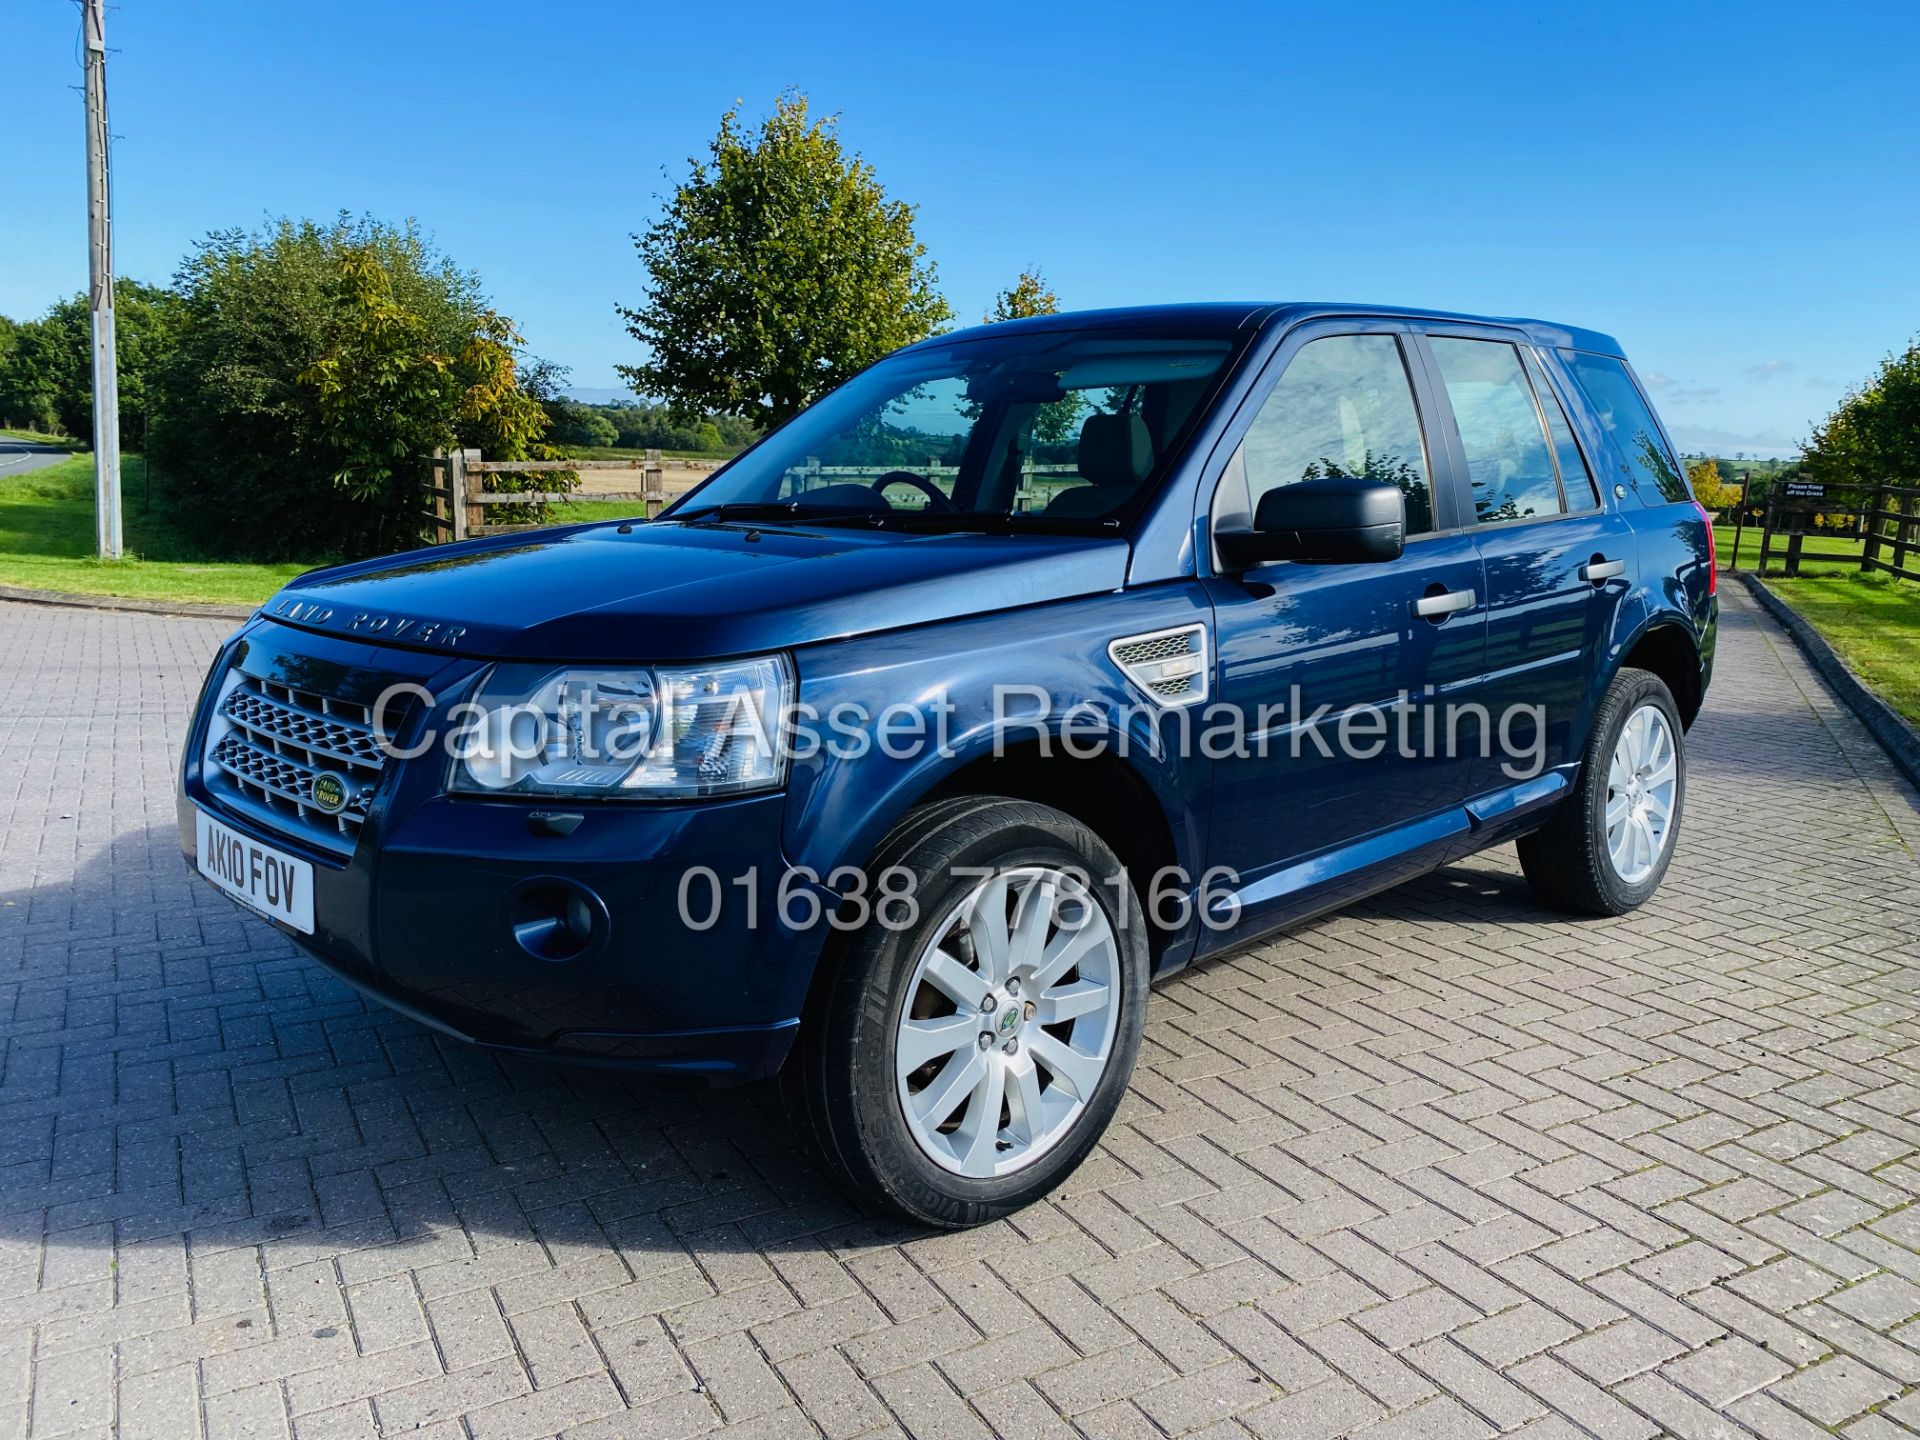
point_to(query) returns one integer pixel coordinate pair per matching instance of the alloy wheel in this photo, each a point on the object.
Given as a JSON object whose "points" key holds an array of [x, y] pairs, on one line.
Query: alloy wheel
{"points": [[1642, 782], [1009, 1024]]}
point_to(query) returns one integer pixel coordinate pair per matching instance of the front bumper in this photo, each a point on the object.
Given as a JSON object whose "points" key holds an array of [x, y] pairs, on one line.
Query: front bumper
{"points": [[423, 923], [422, 915]]}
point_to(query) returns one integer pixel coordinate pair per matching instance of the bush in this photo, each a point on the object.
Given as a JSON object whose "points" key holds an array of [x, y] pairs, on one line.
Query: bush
{"points": [[314, 370]]}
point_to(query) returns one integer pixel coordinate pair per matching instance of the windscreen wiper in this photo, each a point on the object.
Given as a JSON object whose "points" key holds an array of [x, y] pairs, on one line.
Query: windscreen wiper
{"points": [[789, 510], [997, 523]]}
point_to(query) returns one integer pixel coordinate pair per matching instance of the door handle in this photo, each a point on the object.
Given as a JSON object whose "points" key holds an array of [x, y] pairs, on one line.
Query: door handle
{"points": [[1438, 607], [1601, 568]]}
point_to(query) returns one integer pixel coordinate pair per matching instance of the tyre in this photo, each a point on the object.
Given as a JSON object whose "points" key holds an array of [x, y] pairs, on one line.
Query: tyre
{"points": [[1607, 847], [965, 1054]]}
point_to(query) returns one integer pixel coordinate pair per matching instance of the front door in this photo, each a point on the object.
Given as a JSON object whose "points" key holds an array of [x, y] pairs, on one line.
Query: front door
{"points": [[1344, 676], [1559, 561]]}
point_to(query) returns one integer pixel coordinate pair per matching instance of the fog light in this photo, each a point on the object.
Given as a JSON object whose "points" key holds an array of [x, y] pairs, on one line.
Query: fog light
{"points": [[556, 919]]}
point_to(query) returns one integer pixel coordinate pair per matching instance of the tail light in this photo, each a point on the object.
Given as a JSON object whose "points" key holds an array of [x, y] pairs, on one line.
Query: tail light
{"points": [[1713, 556]]}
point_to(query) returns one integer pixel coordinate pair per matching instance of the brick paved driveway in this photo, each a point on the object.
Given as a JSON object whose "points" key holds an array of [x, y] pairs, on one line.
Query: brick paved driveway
{"points": [[1441, 1166]]}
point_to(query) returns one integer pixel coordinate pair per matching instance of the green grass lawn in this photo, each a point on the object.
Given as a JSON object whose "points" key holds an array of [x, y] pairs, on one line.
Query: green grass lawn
{"points": [[1873, 621], [1750, 550], [46, 540], [62, 440], [46, 543]]}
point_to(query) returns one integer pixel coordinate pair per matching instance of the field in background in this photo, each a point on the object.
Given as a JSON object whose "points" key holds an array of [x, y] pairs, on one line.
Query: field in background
{"points": [[619, 452]]}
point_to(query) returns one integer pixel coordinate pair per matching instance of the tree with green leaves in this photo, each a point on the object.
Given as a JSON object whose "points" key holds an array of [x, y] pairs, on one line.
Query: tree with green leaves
{"points": [[28, 365], [577, 424], [315, 368], [145, 319], [46, 365], [1873, 436], [1056, 426], [779, 268], [1030, 295]]}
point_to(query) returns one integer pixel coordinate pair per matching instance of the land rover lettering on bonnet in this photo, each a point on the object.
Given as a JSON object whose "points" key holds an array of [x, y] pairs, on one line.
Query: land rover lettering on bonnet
{"points": [[392, 627], [1034, 663]]}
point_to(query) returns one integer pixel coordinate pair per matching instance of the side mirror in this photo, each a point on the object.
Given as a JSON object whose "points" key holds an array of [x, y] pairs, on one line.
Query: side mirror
{"points": [[1342, 519]]}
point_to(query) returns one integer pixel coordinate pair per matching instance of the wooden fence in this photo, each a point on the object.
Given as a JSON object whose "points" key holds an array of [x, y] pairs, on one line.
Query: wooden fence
{"points": [[1894, 528], [459, 495], [1887, 525]]}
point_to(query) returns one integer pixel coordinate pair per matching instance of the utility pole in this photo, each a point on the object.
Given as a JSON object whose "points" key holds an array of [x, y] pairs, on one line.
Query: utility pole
{"points": [[106, 371]]}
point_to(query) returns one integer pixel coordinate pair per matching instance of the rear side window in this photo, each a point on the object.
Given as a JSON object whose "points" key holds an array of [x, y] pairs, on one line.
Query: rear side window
{"points": [[1501, 430], [1618, 403], [1575, 478]]}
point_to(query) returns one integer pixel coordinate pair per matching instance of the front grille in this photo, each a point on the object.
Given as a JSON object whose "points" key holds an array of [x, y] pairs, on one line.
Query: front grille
{"points": [[324, 735], [268, 743]]}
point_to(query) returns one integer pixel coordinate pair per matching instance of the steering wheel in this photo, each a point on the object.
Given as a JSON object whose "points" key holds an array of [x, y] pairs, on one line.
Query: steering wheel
{"points": [[935, 499]]}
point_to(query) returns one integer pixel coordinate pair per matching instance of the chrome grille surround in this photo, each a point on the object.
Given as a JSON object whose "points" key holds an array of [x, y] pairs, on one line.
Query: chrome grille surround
{"points": [[268, 742]]}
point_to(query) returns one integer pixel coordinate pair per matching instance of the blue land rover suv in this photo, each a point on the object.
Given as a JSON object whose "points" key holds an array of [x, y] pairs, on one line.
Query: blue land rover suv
{"points": [[1033, 663]]}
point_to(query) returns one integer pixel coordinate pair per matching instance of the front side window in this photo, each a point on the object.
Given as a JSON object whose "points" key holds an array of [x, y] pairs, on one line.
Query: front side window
{"points": [[1628, 421], [1508, 461], [1344, 407], [1054, 430]]}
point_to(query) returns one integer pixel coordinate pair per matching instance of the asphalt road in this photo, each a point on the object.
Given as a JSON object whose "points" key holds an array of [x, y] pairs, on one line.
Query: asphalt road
{"points": [[17, 457]]}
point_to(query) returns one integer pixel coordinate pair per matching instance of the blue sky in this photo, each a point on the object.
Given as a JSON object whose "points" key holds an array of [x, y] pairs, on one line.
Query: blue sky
{"points": [[1727, 187]]}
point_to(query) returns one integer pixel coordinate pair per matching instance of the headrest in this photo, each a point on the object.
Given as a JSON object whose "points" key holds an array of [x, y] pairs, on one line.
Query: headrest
{"points": [[1114, 449]]}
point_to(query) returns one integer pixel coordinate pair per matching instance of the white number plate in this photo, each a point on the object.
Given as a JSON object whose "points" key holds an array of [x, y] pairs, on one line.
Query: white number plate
{"points": [[278, 885]]}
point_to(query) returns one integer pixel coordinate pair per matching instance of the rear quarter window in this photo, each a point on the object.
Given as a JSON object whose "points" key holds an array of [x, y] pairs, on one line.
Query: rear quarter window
{"points": [[1629, 422]]}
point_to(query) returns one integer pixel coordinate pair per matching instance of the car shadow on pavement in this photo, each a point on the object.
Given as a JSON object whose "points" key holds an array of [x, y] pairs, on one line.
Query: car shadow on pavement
{"points": [[175, 1068]]}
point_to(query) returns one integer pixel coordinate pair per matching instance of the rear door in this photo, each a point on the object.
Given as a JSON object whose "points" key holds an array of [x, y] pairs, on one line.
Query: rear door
{"points": [[1339, 783], [1559, 560]]}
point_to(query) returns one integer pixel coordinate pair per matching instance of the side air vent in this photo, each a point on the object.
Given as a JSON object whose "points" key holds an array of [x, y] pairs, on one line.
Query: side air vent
{"points": [[1169, 665]]}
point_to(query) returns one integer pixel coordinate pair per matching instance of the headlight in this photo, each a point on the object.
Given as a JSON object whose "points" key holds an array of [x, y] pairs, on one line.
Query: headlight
{"points": [[668, 732]]}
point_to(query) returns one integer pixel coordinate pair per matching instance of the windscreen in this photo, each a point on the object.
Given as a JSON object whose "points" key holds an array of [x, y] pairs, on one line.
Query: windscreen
{"points": [[1037, 429]]}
